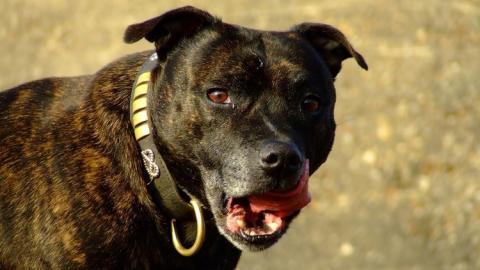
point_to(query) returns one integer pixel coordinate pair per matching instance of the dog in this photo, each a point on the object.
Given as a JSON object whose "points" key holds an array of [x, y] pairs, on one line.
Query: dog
{"points": [[209, 156]]}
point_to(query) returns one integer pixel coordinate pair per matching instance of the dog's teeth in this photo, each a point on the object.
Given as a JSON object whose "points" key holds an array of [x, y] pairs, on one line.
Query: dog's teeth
{"points": [[249, 232], [273, 226], [241, 223], [253, 233]]}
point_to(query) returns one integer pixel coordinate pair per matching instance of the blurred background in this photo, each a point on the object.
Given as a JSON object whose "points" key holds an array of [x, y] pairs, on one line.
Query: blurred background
{"points": [[401, 188]]}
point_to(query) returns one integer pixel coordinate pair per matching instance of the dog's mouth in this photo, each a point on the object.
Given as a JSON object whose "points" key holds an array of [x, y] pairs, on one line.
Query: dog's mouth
{"points": [[260, 220], [241, 219]]}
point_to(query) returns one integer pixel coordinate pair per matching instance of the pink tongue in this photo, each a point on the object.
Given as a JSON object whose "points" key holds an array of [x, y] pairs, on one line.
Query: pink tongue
{"points": [[283, 204]]}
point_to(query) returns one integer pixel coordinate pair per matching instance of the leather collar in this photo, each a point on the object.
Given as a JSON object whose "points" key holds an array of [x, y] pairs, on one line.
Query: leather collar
{"points": [[161, 185]]}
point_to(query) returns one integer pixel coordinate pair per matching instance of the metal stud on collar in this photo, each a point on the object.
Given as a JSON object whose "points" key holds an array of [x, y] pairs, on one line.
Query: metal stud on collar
{"points": [[200, 236]]}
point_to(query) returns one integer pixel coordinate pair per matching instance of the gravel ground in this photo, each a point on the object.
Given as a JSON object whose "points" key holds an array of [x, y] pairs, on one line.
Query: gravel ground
{"points": [[401, 187]]}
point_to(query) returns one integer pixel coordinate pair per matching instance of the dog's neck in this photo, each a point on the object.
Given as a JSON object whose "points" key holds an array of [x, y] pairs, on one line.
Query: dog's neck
{"points": [[162, 186], [119, 143]]}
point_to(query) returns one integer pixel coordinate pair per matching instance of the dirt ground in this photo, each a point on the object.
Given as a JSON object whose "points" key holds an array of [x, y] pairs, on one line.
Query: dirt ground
{"points": [[401, 188]]}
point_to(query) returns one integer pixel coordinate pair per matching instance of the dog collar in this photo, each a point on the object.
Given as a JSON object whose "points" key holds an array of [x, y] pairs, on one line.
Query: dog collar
{"points": [[164, 190]]}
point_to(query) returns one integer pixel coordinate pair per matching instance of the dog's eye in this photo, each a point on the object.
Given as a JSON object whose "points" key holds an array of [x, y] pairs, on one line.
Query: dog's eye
{"points": [[311, 104], [219, 95]]}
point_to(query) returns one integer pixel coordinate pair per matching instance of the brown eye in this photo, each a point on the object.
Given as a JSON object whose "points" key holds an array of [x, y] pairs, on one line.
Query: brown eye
{"points": [[219, 96], [311, 104]]}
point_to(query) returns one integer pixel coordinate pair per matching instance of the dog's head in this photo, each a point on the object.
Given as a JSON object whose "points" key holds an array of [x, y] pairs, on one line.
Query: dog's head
{"points": [[250, 111]]}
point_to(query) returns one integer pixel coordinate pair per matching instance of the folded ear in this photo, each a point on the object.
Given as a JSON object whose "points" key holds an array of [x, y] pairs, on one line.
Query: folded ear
{"points": [[170, 28], [331, 44]]}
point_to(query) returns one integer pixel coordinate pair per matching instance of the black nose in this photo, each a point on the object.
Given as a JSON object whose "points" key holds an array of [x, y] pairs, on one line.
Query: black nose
{"points": [[280, 158]]}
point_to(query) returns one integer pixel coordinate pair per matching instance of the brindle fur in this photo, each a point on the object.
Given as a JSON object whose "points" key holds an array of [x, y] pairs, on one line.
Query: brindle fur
{"points": [[73, 192]]}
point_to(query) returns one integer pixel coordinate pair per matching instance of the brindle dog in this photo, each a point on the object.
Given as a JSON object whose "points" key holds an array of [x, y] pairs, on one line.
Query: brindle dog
{"points": [[236, 111]]}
